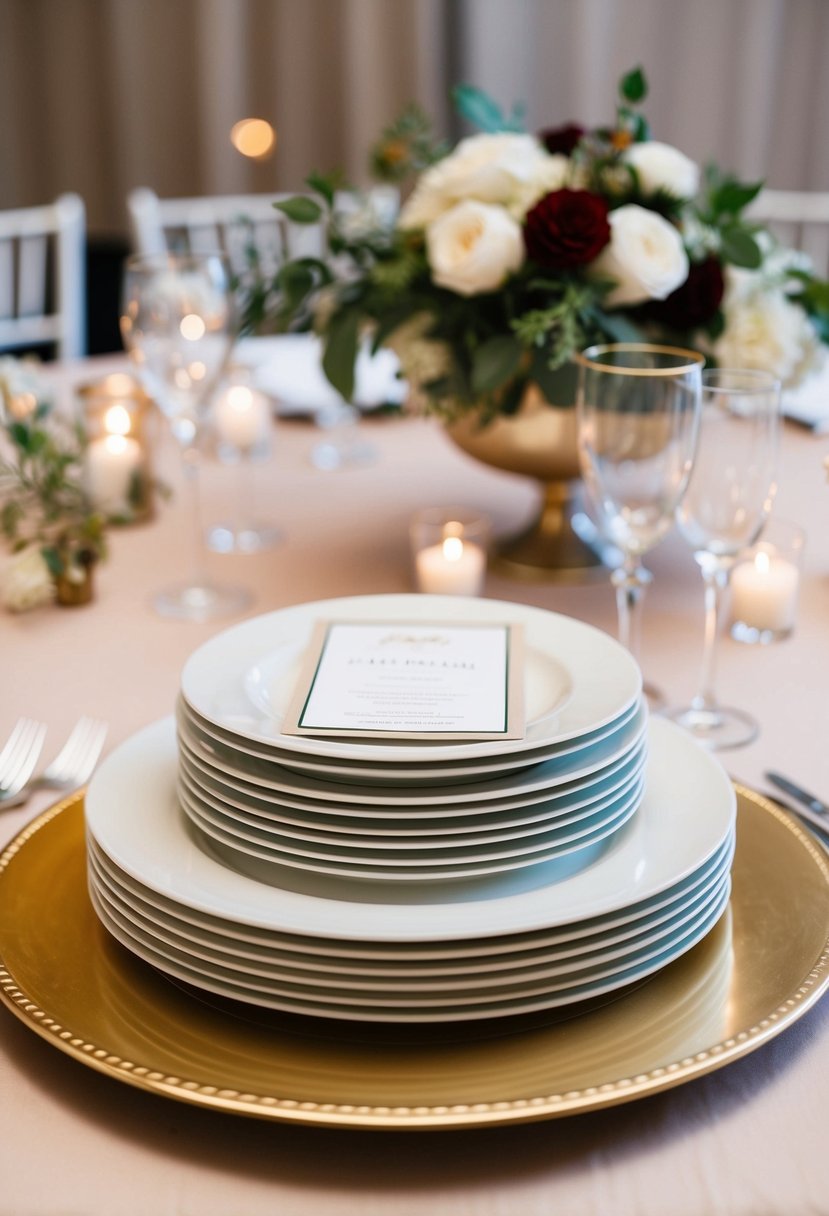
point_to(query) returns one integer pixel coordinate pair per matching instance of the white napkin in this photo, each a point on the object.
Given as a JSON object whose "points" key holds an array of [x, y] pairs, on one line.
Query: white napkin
{"points": [[288, 368], [808, 404]]}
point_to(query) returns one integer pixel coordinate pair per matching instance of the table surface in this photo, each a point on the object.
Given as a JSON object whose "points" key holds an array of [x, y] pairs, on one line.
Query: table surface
{"points": [[749, 1138]]}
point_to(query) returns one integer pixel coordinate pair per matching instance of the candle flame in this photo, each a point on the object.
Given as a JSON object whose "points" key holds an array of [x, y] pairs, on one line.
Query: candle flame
{"points": [[240, 398], [761, 562], [117, 420], [116, 444], [192, 327], [453, 549]]}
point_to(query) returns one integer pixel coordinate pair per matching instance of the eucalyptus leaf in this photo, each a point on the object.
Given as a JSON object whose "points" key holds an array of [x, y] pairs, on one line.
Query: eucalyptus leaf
{"points": [[300, 210], [495, 362], [634, 87], [739, 247], [340, 352], [558, 386], [478, 108], [617, 327]]}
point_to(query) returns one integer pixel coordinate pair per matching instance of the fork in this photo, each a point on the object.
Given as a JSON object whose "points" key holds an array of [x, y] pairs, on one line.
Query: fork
{"points": [[19, 756], [71, 766]]}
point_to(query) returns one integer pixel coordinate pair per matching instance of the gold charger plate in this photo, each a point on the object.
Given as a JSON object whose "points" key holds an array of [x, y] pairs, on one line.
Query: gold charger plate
{"points": [[765, 963]]}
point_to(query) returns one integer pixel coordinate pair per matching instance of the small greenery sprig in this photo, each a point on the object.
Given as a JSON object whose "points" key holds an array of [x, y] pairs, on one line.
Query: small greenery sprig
{"points": [[41, 491]]}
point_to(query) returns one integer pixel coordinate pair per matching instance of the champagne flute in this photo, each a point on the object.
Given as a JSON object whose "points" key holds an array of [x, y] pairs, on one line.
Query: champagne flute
{"points": [[728, 501], [637, 409], [178, 323]]}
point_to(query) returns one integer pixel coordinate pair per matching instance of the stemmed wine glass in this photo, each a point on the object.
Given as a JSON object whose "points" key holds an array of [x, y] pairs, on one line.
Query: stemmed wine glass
{"points": [[637, 408], [728, 500], [178, 322]]}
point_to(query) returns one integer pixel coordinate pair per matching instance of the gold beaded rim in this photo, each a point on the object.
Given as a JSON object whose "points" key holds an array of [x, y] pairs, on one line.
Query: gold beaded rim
{"points": [[461, 1115]]}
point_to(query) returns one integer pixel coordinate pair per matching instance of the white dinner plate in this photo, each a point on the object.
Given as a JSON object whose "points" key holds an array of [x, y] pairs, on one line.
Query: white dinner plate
{"points": [[505, 971], [687, 812], [270, 781], [604, 678], [407, 833], [388, 1010], [436, 772], [267, 863], [250, 940], [609, 942]]}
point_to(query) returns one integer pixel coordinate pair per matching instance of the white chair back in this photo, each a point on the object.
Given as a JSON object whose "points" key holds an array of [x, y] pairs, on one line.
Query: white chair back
{"points": [[227, 223], [43, 277], [800, 220]]}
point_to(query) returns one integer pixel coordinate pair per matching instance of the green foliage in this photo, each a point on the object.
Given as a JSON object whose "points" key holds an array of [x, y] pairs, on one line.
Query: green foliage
{"points": [[300, 210], [406, 147], [478, 108], [42, 499], [633, 86]]}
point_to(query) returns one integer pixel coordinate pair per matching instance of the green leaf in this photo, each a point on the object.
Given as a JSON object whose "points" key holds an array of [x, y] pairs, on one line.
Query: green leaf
{"points": [[495, 362], [53, 561], [19, 433], [616, 326], [341, 352], [324, 184], [740, 248], [634, 86], [558, 386], [731, 196], [483, 112], [300, 210]]}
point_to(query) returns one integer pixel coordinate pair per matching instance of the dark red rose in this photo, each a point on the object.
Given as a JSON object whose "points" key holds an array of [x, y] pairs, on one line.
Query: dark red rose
{"points": [[565, 229], [695, 302], [561, 139]]}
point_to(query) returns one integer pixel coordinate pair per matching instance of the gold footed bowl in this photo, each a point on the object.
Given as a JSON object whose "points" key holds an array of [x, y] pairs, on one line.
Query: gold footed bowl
{"points": [[538, 441]]}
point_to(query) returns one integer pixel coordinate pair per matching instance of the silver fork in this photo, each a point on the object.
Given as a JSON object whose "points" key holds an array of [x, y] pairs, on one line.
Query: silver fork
{"points": [[72, 765], [19, 756]]}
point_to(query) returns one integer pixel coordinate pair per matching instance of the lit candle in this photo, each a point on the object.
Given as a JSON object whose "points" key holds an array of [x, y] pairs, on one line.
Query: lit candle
{"points": [[453, 567], [764, 593], [242, 417], [111, 465]]}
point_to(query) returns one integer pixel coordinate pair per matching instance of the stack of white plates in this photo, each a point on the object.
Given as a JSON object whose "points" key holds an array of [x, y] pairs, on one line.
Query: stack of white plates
{"points": [[389, 810], [525, 939]]}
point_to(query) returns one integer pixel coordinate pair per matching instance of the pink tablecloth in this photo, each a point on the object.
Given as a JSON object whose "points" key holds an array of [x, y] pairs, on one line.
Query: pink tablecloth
{"points": [[748, 1139]]}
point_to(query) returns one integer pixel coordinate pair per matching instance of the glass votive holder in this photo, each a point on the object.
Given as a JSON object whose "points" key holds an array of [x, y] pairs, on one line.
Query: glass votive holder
{"points": [[449, 550], [119, 421], [765, 583], [242, 430]]}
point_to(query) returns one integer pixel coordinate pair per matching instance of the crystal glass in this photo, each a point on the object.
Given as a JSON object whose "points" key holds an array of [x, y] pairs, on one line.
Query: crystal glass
{"points": [[638, 417], [178, 322], [728, 500]]}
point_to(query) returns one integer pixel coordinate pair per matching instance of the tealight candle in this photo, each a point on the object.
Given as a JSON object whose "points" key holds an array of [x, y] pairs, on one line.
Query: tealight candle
{"points": [[449, 551], [111, 465], [451, 568], [117, 470], [764, 586], [242, 417]]}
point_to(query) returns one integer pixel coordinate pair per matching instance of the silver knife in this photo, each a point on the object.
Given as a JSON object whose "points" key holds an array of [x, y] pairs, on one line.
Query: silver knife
{"points": [[810, 801]]}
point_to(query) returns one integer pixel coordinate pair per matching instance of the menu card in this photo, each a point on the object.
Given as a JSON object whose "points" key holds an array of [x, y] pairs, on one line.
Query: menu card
{"points": [[418, 680]]}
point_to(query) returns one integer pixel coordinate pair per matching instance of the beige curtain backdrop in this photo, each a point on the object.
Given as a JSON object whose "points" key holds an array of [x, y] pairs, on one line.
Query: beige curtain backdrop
{"points": [[100, 96]]}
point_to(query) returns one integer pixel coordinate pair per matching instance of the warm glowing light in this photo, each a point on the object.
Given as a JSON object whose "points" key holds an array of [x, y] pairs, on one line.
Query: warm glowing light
{"points": [[761, 562], [253, 137], [453, 548], [182, 378], [117, 420], [240, 398], [197, 370], [192, 327], [117, 444]]}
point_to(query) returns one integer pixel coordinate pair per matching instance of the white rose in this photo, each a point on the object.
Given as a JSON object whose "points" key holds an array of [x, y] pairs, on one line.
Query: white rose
{"points": [[661, 167], [499, 168], [473, 247], [27, 582], [645, 257], [765, 330]]}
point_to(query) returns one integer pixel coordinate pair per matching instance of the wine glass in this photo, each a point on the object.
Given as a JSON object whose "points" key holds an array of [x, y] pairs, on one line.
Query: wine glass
{"points": [[178, 323], [729, 497], [637, 409]]}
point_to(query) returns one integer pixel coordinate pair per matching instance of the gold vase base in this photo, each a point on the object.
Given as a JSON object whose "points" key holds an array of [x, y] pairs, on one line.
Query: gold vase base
{"points": [[551, 550]]}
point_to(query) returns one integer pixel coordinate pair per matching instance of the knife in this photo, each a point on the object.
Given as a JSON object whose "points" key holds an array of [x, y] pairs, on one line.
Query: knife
{"points": [[810, 801]]}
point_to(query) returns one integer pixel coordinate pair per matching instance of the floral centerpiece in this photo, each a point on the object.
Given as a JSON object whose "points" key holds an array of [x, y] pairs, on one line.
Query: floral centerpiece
{"points": [[513, 251], [54, 533]]}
